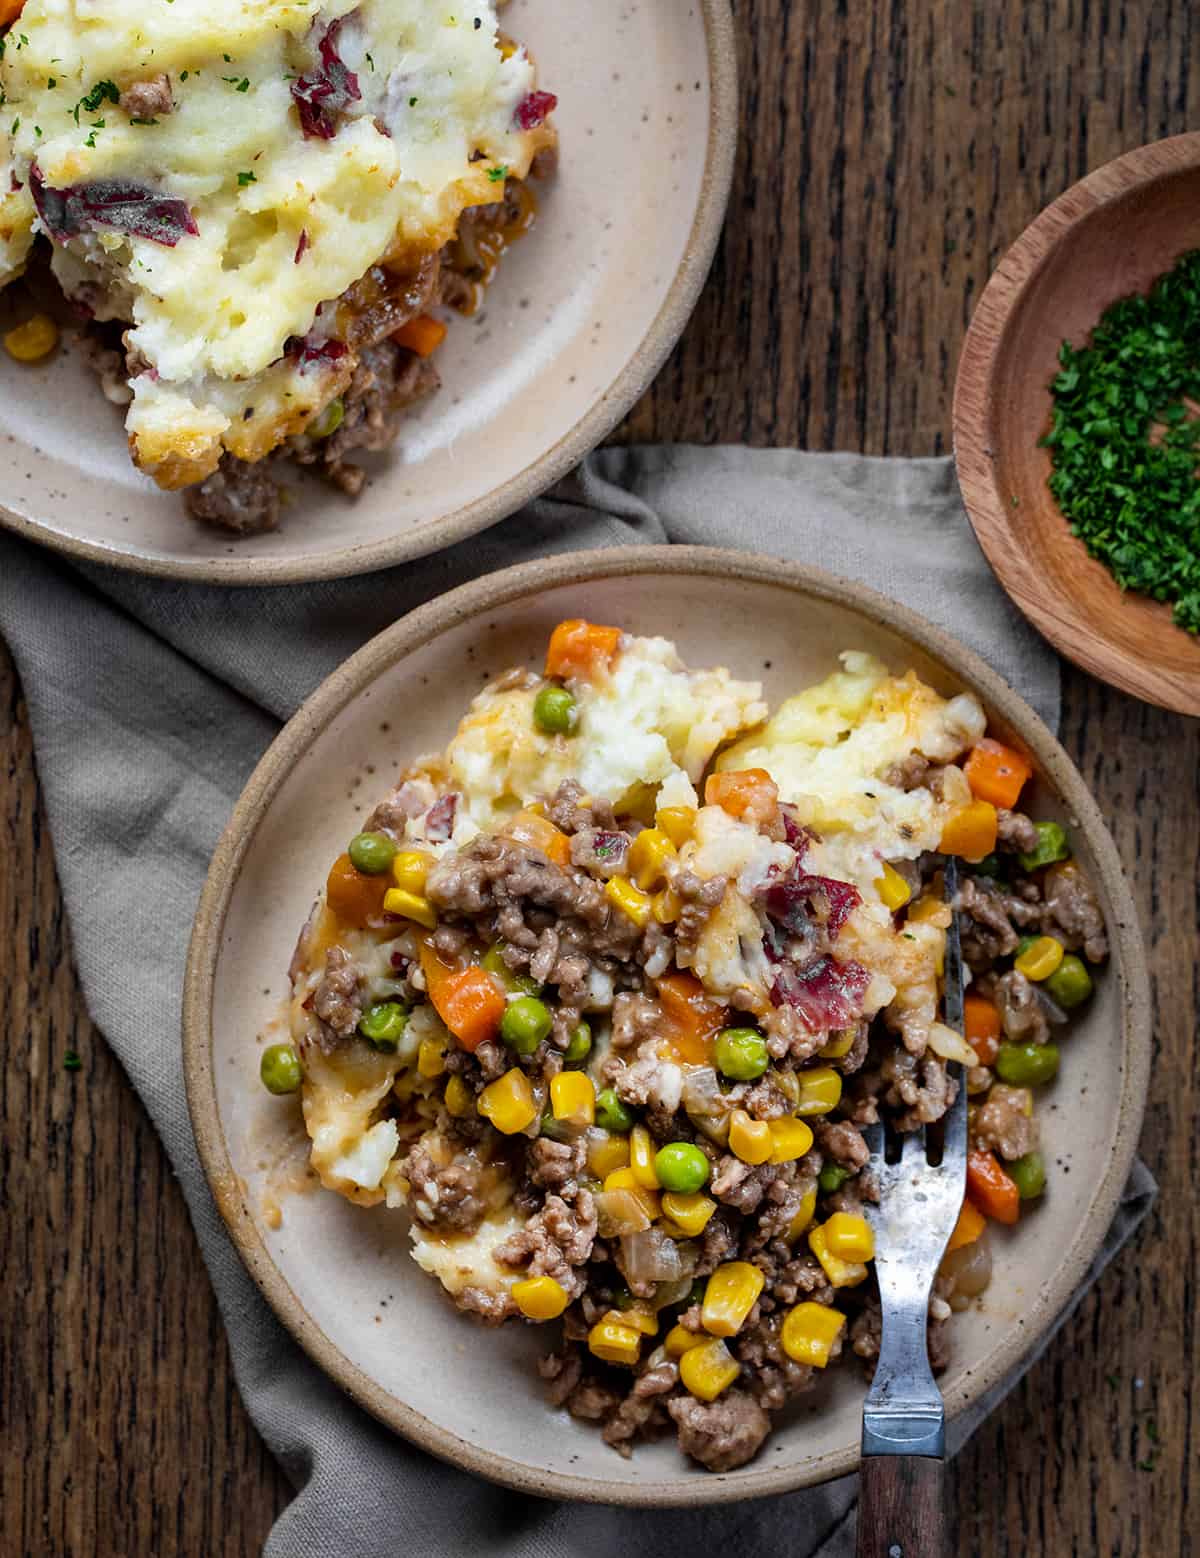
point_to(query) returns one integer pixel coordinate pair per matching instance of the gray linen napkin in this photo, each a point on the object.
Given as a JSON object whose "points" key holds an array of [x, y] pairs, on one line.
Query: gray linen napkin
{"points": [[150, 704]]}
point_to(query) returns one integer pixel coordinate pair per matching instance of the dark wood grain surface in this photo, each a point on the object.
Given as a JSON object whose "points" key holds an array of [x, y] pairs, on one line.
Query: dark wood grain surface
{"points": [[891, 149]]}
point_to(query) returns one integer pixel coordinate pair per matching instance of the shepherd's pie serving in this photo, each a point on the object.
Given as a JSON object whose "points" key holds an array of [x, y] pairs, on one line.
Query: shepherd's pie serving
{"points": [[601, 996], [262, 200]]}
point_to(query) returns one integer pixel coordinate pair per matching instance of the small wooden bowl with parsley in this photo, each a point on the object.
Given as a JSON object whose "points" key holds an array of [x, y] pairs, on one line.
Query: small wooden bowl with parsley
{"points": [[1077, 423]]}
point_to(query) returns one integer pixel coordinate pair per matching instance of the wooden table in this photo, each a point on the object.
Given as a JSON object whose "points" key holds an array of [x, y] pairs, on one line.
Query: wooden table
{"points": [[890, 152]]}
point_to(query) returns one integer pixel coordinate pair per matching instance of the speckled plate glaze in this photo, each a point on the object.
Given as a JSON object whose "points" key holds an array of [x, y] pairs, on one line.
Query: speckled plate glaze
{"points": [[578, 321], [340, 1278]]}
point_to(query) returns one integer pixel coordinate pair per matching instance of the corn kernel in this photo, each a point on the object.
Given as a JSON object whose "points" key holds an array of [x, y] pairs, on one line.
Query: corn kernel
{"points": [[709, 1369], [508, 1102], [1041, 960], [460, 1100], [790, 1139], [636, 1318], [649, 856], [614, 1343], [631, 901], [729, 1296], [608, 1153], [411, 906], [573, 1098], [641, 1157], [431, 1058], [540, 1298], [841, 1044], [677, 823], [804, 1215], [820, 1090], [625, 1179], [33, 340], [809, 1332], [849, 1237], [689, 1213], [892, 888], [842, 1273], [935, 911], [679, 1340], [666, 906], [749, 1139], [410, 867]]}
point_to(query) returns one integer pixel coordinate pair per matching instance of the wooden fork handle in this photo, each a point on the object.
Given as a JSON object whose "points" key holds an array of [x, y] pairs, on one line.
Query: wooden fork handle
{"points": [[900, 1509]]}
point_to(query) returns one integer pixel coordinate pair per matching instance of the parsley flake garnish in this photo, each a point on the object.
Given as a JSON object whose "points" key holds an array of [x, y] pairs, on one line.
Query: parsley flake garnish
{"points": [[246, 178], [412, 102], [238, 83], [102, 92], [496, 174]]}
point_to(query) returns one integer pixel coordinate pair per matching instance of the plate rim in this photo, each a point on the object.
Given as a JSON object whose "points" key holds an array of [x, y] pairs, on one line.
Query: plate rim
{"points": [[350, 680], [608, 407], [971, 420]]}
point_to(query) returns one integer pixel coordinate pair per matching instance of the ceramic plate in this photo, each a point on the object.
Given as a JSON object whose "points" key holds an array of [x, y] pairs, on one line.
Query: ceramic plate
{"points": [[339, 1277], [580, 318]]}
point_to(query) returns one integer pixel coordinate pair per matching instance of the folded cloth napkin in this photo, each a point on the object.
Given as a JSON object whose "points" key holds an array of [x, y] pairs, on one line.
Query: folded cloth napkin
{"points": [[150, 704]]}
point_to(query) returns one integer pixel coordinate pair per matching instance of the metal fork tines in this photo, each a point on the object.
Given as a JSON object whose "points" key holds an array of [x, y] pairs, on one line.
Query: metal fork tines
{"points": [[919, 1203]]}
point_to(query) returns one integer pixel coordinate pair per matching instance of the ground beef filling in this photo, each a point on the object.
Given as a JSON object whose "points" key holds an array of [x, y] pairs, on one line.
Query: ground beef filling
{"points": [[557, 925]]}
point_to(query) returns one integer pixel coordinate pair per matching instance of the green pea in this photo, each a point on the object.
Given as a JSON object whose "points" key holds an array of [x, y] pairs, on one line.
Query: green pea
{"points": [[327, 422], [493, 961], [554, 711], [1070, 984], [1029, 1175], [681, 1167], [1051, 846], [740, 1054], [383, 1024], [554, 1129], [1027, 1065], [612, 1114], [371, 853], [991, 866], [525, 1023], [280, 1069], [580, 1046], [832, 1177]]}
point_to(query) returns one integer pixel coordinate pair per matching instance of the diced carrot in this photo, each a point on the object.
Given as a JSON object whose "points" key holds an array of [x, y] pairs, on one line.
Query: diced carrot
{"points": [[579, 648], [422, 335], [468, 1000], [692, 1017], [540, 833], [747, 792], [981, 1022], [354, 897], [970, 831], [996, 773], [10, 10], [971, 1223], [990, 1188]]}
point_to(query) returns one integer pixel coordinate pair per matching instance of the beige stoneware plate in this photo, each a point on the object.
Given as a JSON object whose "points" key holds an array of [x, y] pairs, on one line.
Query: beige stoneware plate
{"points": [[578, 321], [470, 1395]]}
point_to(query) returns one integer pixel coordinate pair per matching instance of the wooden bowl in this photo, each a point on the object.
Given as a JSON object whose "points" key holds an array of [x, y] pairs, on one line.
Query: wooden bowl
{"points": [[578, 321], [1110, 235], [472, 1395]]}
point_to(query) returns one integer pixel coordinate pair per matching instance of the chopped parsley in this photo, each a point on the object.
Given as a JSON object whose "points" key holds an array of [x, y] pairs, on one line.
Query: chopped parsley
{"points": [[1124, 443], [246, 178], [102, 92], [369, 60], [16, 125], [51, 83], [72, 1062], [91, 140], [412, 102], [135, 120], [496, 174], [238, 83]]}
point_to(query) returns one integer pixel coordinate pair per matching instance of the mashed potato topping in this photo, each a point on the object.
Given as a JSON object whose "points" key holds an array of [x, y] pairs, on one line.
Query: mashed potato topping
{"points": [[220, 173]]}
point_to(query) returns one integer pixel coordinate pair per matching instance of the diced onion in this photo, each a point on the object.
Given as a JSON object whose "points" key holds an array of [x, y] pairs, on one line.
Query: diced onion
{"points": [[1055, 1015], [970, 1269], [949, 1045], [650, 1256]]}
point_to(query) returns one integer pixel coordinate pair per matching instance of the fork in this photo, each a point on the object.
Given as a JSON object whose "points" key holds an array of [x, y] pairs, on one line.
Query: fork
{"points": [[900, 1509]]}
